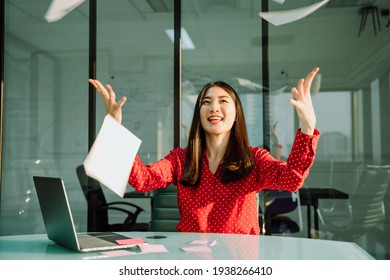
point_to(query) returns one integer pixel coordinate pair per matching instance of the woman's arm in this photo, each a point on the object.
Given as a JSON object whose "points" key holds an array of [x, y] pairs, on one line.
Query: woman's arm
{"points": [[142, 178], [290, 175], [145, 178]]}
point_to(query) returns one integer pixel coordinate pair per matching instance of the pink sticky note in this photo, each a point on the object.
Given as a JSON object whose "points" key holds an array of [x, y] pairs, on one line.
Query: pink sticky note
{"points": [[130, 241]]}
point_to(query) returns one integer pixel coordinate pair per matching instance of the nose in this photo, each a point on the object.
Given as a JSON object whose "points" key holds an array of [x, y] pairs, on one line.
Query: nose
{"points": [[214, 106]]}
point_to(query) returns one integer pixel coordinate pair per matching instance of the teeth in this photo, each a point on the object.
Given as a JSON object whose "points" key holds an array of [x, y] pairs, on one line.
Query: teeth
{"points": [[215, 118]]}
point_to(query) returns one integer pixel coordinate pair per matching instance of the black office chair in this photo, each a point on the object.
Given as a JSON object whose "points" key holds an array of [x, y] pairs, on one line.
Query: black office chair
{"points": [[364, 210], [98, 208], [277, 205], [165, 212]]}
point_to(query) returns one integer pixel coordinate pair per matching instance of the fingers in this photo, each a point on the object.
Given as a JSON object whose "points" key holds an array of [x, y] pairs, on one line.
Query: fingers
{"points": [[294, 103], [294, 91], [111, 93], [106, 92], [301, 88], [310, 78], [303, 104], [122, 101], [100, 88], [304, 85]]}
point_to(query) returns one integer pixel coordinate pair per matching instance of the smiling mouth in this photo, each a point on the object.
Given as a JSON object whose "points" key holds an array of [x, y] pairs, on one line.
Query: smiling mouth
{"points": [[214, 120]]}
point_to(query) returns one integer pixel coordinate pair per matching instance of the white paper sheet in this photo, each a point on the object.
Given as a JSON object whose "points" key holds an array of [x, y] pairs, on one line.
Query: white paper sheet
{"points": [[152, 248], [197, 249], [112, 155], [117, 253], [60, 8], [283, 17], [279, 1], [203, 242], [249, 84]]}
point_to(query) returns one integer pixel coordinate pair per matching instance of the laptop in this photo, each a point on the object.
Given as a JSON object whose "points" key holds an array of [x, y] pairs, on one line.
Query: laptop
{"points": [[59, 224]]}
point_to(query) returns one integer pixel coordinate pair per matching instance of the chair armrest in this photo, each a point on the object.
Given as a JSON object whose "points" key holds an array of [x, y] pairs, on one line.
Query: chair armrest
{"points": [[135, 214], [131, 217], [129, 213], [127, 204]]}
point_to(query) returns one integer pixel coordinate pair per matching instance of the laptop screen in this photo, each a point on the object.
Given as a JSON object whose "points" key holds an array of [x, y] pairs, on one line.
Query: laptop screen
{"points": [[56, 211]]}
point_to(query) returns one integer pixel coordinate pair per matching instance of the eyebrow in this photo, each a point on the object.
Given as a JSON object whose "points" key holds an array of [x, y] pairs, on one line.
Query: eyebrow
{"points": [[219, 97]]}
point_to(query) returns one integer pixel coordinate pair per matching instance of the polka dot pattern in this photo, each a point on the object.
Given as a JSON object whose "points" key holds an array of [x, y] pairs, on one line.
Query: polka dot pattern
{"points": [[226, 208]]}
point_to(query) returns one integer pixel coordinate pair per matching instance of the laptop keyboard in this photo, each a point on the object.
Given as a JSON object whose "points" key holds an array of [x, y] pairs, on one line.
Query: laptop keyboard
{"points": [[89, 241]]}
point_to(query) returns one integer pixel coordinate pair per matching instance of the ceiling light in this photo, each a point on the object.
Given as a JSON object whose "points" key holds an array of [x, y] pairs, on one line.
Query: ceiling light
{"points": [[186, 42]]}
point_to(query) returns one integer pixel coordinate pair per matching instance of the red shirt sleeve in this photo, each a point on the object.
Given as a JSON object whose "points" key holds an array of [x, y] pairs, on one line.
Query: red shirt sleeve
{"points": [[290, 175], [156, 175]]}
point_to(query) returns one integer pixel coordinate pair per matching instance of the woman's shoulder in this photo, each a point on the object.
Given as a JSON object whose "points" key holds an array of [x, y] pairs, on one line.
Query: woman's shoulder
{"points": [[257, 149], [177, 153], [259, 152], [178, 150]]}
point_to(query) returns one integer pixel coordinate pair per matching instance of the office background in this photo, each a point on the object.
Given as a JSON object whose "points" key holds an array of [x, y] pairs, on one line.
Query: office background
{"points": [[45, 99]]}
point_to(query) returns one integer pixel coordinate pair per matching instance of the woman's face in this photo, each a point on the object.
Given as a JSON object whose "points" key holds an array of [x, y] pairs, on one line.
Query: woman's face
{"points": [[217, 111]]}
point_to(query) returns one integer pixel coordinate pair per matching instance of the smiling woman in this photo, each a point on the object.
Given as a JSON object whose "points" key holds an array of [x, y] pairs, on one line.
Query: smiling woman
{"points": [[46, 125], [219, 175]]}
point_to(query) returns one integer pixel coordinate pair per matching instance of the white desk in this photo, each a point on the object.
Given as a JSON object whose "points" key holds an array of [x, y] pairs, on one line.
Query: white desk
{"points": [[228, 247]]}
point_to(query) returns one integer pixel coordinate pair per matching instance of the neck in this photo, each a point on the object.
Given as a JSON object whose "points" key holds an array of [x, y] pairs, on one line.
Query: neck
{"points": [[216, 146]]}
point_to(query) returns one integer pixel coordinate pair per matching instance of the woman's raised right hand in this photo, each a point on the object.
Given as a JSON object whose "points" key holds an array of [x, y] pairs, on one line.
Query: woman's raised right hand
{"points": [[113, 107]]}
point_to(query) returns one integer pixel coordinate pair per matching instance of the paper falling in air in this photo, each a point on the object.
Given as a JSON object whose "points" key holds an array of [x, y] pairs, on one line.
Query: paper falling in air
{"points": [[112, 155], [279, 1], [60, 8], [248, 84], [283, 17]]}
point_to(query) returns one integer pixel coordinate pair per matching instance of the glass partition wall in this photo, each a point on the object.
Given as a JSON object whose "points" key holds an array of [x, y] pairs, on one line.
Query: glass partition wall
{"points": [[45, 110], [226, 46], [45, 124]]}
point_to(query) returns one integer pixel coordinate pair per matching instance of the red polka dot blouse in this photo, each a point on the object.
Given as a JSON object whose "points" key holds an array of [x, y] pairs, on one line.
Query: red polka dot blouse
{"points": [[231, 207]]}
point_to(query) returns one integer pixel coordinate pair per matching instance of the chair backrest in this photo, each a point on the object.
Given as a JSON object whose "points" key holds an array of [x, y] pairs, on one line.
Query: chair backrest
{"points": [[95, 198], [90, 186], [367, 203], [165, 212], [282, 202]]}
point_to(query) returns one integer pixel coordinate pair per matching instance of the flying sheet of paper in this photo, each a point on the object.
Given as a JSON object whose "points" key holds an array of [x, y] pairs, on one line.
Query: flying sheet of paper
{"points": [[279, 1], [60, 8], [283, 17], [248, 84], [111, 156]]}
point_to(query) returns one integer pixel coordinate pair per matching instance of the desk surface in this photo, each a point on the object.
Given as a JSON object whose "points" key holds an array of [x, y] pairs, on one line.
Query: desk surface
{"points": [[228, 247], [311, 194]]}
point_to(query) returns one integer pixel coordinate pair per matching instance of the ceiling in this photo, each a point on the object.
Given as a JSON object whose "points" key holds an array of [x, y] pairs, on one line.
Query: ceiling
{"points": [[228, 32]]}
